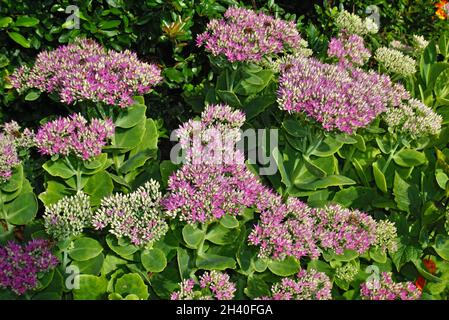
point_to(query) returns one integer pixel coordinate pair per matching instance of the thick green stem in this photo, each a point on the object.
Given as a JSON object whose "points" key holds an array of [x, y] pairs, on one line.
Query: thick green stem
{"points": [[116, 164], [78, 178], [390, 158], [77, 173], [203, 228]]}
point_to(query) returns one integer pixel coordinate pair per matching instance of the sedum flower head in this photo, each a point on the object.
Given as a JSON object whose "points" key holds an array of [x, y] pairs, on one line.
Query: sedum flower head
{"points": [[309, 285], [207, 187], [20, 265], [386, 289], [371, 25], [353, 24], [398, 45], [205, 192], [213, 139], [386, 236], [295, 229], [22, 138], [9, 158], [413, 118], [285, 230], [74, 135], [349, 49], [341, 229], [84, 70], [419, 43], [245, 35], [213, 285], [395, 61], [136, 216], [337, 98], [348, 272], [68, 217]]}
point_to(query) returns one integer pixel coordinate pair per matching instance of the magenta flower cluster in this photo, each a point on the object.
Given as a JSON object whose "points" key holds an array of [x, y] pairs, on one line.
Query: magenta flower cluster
{"points": [[85, 70], [309, 285], [349, 49], [20, 265], [74, 135], [204, 192], [285, 230], [386, 289], [341, 229], [213, 285], [294, 229], [337, 98], [245, 35]]}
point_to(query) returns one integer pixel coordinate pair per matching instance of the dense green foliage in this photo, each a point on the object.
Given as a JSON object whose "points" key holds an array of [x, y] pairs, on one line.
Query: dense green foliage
{"points": [[383, 173]]}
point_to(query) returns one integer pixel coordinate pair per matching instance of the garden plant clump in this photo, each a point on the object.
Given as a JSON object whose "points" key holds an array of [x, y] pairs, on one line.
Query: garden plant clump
{"points": [[247, 150]]}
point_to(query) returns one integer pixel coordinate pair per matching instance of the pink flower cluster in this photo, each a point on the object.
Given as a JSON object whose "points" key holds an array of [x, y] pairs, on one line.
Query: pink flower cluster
{"points": [[21, 265], [85, 70], [386, 289], [309, 285], [294, 229], [136, 216], [213, 139], [8, 156], [73, 135], [285, 230], [22, 138], [206, 191], [337, 98], [340, 229], [213, 285], [349, 49], [244, 35]]}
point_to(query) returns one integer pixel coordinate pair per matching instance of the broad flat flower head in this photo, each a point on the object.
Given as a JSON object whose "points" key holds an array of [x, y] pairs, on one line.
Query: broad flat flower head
{"points": [[136, 216], [245, 35], [395, 62], [353, 24], [20, 265], [9, 158], [308, 285], [386, 289], [68, 217], [413, 118], [213, 285], [285, 229], [337, 98], [85, 71], [349, 49], [73, 135], [213, 139]]}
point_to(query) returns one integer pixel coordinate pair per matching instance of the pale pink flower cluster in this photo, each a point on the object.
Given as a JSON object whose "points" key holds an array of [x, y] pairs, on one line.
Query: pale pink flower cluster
{"points": [[74, 135], [85, 70]]}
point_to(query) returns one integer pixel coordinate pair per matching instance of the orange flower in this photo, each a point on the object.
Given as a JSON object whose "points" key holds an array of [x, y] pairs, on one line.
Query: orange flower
{"points": [[442, 9], [430, 265], [420, 283]]}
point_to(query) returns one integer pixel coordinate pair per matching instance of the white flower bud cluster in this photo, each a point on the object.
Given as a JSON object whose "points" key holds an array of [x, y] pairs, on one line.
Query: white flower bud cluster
{"points": [[386, 236], [68, 217], [413, 118], [353, 24], [395, 61]]}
